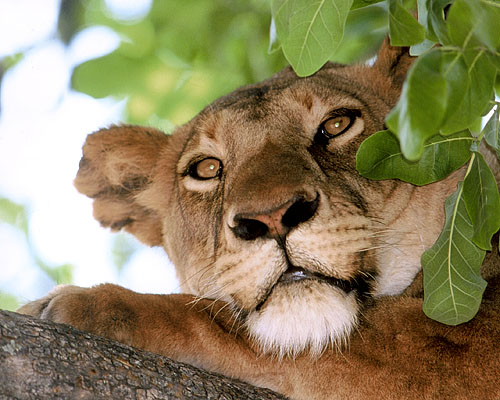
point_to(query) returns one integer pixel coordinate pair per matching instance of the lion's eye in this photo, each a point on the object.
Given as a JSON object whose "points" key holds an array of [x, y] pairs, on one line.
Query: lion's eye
{"points": [[337, 125], [208, 168]]}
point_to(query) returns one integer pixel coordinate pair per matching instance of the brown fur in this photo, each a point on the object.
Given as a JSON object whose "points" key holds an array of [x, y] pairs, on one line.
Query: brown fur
{"points": [[323, 248]]}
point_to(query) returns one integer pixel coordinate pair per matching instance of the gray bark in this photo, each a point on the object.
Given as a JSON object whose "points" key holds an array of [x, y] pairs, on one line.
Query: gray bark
{"points": [[43, 360]]}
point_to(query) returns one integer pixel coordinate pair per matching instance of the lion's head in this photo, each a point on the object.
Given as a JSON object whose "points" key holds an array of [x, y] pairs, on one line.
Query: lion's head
{"points": [[258, 203]]}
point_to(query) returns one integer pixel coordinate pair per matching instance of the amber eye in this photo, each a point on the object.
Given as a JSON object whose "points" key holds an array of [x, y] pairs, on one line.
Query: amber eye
{"points": [[208, 168], [337, 125]]}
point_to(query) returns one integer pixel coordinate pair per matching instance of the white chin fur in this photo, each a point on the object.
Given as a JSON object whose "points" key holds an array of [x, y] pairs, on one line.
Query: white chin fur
{"points": [[300, 316]]}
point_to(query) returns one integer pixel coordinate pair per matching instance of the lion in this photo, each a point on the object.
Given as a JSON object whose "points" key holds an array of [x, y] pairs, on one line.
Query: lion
{"points": [[298, 274]]}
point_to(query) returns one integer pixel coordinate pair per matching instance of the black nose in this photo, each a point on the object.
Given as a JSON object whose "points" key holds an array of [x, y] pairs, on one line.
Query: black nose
{"points": [[276, 222]]}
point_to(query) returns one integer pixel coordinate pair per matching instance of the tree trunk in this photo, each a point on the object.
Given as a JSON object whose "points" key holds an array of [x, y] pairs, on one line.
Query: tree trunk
{"points": [[43, 360]]}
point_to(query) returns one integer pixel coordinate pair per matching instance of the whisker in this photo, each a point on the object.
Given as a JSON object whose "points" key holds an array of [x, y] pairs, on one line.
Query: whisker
{"points": [[202, 270], [365, 249], [220, 309], [236, 318]]}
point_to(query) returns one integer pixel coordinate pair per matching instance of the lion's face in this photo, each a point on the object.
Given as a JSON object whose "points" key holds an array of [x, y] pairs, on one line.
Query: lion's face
{"points": [[258, 203]]}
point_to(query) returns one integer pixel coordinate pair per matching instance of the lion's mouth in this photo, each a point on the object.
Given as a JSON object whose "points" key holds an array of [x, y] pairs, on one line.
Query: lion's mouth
{"points": [[295, 274]]}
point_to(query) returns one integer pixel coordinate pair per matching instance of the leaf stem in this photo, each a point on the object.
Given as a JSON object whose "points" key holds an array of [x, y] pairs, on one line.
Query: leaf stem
{"points": [[469, 167], [491, 3], [478, 55], [455, 59], [450, 243]]}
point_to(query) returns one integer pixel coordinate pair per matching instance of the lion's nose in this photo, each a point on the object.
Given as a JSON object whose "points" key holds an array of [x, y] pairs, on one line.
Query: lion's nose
{"points": [[276, 222]]}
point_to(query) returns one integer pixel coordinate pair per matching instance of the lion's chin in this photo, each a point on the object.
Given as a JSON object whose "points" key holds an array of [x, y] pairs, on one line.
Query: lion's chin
{"points": [[308, 315]]}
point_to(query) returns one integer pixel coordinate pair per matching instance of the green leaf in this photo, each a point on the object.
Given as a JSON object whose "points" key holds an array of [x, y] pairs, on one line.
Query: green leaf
{"points": [[427, 44], [482, 74], [491, 131], [137, 39], [281, 11], [14, 214], [61, 274], [10, 61], [113, 75], [380, 157], [458, 82], [418, 114], [8, 301], [365, 29], [470, 77], [488, 12], [460, 24], [420, 48], [472, 23], [404, 30], [482, 201], [363, 3], [437, 29], [309, 30], [453, 286]]}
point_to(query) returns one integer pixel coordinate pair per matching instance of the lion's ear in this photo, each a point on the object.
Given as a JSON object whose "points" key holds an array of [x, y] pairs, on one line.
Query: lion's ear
{"points": [[394, 62], [116, 167]]}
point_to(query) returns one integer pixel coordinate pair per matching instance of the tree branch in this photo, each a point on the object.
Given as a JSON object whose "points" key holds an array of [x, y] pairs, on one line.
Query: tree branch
{"points": [[41, 359]]}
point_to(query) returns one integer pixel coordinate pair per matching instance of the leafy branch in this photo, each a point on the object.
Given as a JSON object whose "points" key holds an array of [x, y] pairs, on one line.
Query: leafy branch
{"points": [[433, 129]]}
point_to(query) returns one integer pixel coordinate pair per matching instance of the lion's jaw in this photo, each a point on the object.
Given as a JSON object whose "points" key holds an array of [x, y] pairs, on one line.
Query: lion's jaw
{"points": [[317, 298], [305, 316]]}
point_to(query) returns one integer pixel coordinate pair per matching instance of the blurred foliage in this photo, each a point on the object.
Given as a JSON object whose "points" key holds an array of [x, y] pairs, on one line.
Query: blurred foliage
{"points": [[178, 58], [9, 302], [183, 55], [123, 247], [16, 215]]}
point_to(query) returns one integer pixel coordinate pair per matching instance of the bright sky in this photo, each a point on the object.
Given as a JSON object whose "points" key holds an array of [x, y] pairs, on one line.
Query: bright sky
{"points": [[43, 125]]}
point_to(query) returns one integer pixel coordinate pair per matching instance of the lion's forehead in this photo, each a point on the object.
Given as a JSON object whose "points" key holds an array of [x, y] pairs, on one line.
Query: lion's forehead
{"points": [[331, 79], [286, 115]]}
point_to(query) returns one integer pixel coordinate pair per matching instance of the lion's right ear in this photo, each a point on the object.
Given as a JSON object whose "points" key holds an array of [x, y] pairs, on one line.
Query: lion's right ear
{"points": [[116, 167], [394, 62]]}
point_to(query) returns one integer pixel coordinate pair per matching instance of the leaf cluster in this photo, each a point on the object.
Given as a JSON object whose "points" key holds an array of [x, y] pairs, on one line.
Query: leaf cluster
{"points": [[178, 58], [434, 129]]}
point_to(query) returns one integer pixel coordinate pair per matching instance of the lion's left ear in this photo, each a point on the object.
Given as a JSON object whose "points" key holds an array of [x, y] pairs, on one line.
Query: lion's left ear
{"points": [[394, 62], [116, 167]]}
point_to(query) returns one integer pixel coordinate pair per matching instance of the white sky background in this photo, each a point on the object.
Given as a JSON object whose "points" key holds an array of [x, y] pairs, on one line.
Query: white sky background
{"points": [[43, 125]]}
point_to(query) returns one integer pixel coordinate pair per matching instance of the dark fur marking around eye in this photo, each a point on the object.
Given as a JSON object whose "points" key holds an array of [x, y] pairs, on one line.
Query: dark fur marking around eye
{"points": [[205, 169], [354, 196], [323, 137]]}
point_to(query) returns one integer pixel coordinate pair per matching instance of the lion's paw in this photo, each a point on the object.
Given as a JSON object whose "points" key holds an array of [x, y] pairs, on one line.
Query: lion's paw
{"points": [[44, 308], [104, 309]]}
